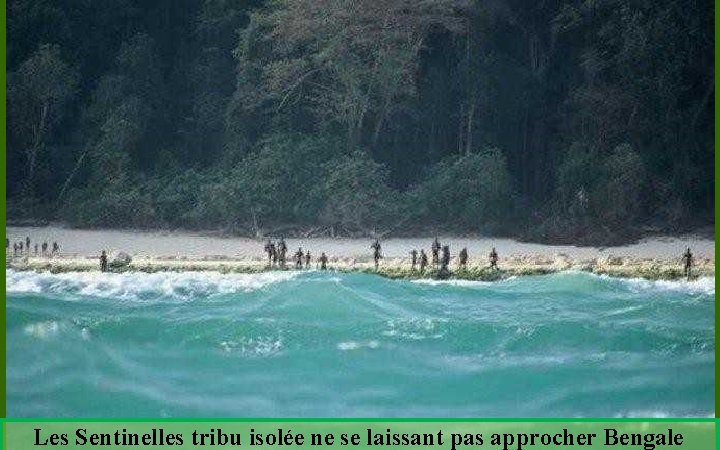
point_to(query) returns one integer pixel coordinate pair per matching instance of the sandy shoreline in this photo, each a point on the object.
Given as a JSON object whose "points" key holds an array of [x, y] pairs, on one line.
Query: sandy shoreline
{"points": [[390, 267], [657, 258]]}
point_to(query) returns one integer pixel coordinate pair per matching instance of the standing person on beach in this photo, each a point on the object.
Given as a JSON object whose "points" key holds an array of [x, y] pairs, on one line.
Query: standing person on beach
{"points": [[44, 248], [376, 252], [423, 261], [299, 258], [56, 248], [27, 244], [36, 249], [273, 255], [688, 260], [282, 250], [493, 259], [268, 249], [15, 248], [323, 261], [413, 259], [435, 249], [20, 247], [103, 262], [463, 257], [445, 258], [307, 259]]}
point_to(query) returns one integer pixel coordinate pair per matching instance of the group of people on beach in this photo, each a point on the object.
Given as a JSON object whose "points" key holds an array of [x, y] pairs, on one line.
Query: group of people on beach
{"points": [[277, 256], [22, 248], [441, 264]]}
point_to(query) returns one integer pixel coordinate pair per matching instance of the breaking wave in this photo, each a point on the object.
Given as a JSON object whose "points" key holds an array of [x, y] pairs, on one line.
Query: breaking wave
{"points": [[315, 344], [138, 285]]}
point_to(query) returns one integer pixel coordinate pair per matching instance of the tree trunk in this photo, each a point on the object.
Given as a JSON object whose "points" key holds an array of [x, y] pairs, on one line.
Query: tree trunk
{"points": [[66, 184], [526, 125], [470, 120], [35, 149], [703, 104], [470, 92], [380, 121], [461, 141]]}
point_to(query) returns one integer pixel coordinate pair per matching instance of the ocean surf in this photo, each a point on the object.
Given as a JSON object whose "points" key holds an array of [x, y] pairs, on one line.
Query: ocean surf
{"points": [[313, 344]]}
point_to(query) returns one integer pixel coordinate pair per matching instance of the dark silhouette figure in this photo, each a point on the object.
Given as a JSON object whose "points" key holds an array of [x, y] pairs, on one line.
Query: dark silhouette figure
{"points": [[273, 255], [444, 272], [56, 248], [103, 262], [36, 249], [20, 247], [435, 249], [463, 257], [423, 261], [44, 248], [15, 249], [299, 258], [493, 259], [307, 259], [269, 250], [376, 252], [282, 252], [323, 261], [27, 244], [688, 261], [445, 258], [413, 259]]}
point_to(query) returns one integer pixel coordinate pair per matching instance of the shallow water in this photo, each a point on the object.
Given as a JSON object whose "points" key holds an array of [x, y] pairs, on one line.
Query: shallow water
{"points": [[319, 344]]}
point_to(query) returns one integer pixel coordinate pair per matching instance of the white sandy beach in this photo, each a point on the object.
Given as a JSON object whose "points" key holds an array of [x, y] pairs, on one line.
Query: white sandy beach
{"points": [[166, 244], [657, 258]]}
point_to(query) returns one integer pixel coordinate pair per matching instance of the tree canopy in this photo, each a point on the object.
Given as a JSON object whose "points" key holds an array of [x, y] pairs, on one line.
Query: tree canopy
{"points": [[563, 120]]}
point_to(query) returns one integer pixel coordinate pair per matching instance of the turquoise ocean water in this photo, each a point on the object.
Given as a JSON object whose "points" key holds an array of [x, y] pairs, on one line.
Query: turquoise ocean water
{"points": [[287, 344]]}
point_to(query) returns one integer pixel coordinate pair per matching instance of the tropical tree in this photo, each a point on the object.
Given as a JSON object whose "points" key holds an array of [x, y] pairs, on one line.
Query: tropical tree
{"points": [[38, 94]]}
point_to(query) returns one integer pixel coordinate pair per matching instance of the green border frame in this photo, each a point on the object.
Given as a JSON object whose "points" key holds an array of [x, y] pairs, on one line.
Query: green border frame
{"points": [[717, 191], [373, 419], [3, 410], [3, 187]]}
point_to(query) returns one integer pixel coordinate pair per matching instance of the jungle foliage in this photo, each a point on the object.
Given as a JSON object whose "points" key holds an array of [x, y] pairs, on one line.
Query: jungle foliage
{"points": [[561, 120]]}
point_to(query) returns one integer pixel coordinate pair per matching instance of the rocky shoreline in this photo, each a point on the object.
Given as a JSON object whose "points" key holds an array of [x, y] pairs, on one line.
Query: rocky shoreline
{"points": [[395, 268]]}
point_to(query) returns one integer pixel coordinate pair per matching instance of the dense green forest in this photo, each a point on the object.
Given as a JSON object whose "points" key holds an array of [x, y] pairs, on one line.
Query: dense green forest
{"points": [[581, 121]]}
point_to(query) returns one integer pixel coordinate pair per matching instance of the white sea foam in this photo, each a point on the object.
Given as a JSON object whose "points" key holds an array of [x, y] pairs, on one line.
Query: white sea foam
{"points": [[461, 283], [353, 345], [623, 311], [42, 330], [180, 285], [85, 334], [414, 329], [18, 282], [501, 361], [704, 285], [263, 346]]}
